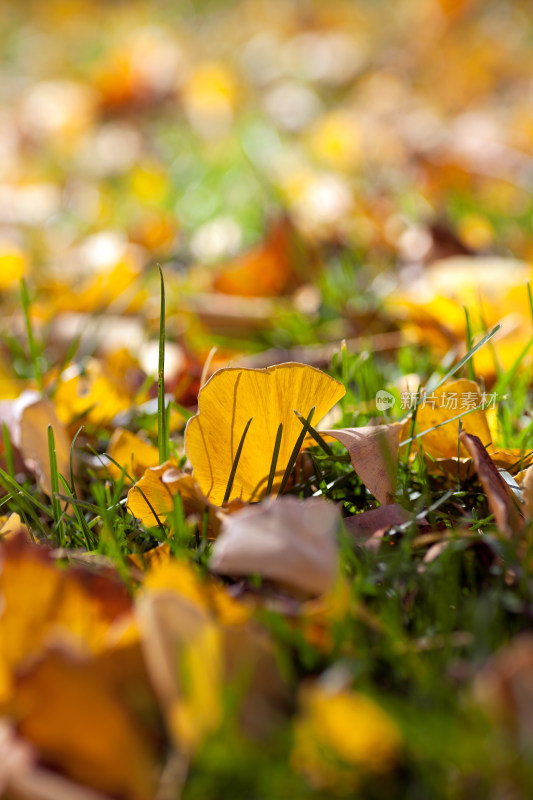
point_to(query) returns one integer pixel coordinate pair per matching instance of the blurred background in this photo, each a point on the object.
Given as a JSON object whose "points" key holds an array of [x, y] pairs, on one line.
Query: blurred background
{"points": [[298, 169]]}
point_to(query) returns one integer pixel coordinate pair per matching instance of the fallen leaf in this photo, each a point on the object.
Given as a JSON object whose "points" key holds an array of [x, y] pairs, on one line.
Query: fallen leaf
{"points": [[133, 454], [233, 397], [501, 500], [27, 419], [442, 405], [283, 539], [339, 735], [268, 270], [43, 603], [374, 456], [63, 704], [13, 527], [376, 522], [151, 499]]}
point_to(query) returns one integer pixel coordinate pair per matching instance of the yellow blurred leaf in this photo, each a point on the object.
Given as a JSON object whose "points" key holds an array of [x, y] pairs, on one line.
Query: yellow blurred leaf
{"points": [[269, 397], [134, 454], [449, 401], [339, 735], [73, 710]]}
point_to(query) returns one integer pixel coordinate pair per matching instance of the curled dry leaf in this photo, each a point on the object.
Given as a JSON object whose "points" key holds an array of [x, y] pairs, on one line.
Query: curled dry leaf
{"points": [[501, 500], [151, 499], [374, 456], [269, 398], [27, 419], [285, 539]]}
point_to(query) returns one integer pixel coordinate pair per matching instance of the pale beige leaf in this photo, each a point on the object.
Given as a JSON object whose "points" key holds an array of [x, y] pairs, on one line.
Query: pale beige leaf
{"points": [[374, 455], [286, 539]]}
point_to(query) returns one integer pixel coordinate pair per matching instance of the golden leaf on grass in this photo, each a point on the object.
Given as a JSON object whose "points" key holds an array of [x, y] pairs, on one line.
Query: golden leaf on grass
{"points": [[340, 735], [27, 419], [75, 712], [283, 539], [226, 404], [151, 499], [374, 456], [42, 603], [500, 497], [135, 455]]}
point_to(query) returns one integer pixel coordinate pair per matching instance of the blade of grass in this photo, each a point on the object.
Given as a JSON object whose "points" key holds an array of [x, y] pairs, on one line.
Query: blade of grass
{"points": [[274, 462], [235, 464], [294, 455], [162, 439], [464, 360], [315, 434], [469, 345], [32, 343], [8, 451], [57, 514]]}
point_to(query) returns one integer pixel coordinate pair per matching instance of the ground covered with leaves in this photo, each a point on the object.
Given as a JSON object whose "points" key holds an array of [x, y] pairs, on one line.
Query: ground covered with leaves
{"points": [[266, 449]]}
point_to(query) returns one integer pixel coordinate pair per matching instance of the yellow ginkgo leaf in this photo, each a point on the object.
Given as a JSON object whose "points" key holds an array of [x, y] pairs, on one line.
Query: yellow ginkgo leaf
{"points": [[151, 499], [264, 399]]}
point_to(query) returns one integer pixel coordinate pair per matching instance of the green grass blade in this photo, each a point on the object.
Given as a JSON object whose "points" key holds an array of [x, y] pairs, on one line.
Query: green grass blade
{"points": [[162, 437], [54, 482], [274, 462], [235, 464], [32, 342], [469, 345], [294, 455], [8, 451]]}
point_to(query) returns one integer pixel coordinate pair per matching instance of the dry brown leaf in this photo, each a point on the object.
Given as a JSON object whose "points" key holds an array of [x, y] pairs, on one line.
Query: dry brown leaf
{"points": [[285, 539], [374, 456], [501, 500], [376, 522]]}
